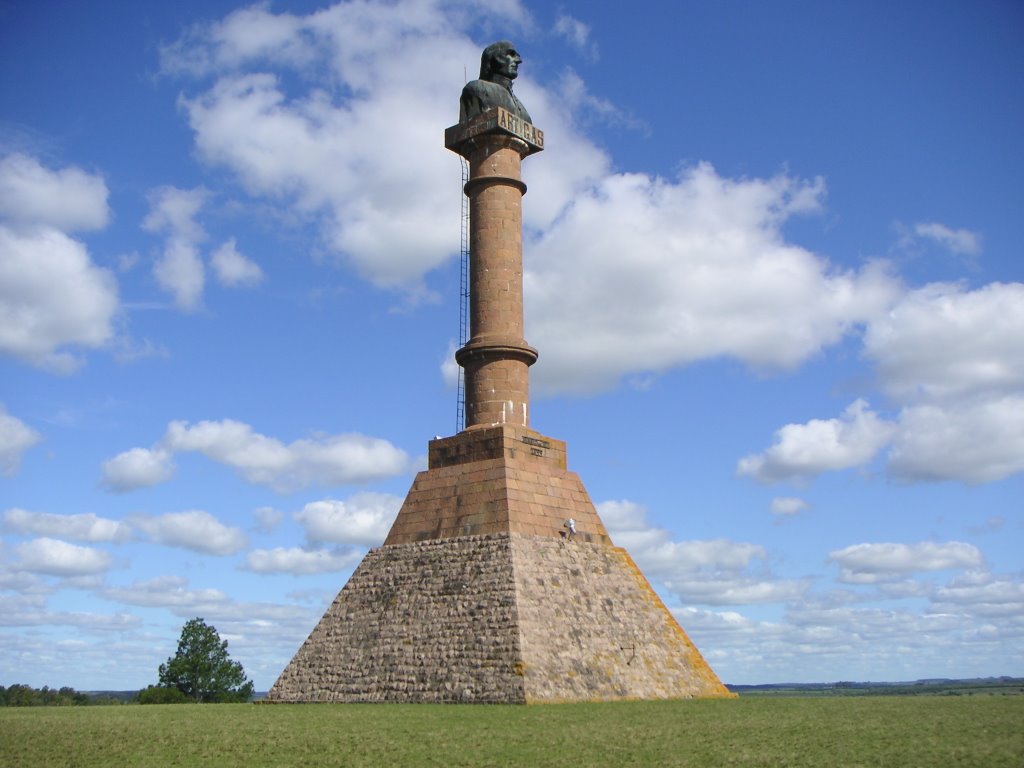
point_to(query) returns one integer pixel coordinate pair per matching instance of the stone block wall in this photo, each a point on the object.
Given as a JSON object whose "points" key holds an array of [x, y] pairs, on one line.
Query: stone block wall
{"points": [[592, 628], [427, 622], [504, 618]]}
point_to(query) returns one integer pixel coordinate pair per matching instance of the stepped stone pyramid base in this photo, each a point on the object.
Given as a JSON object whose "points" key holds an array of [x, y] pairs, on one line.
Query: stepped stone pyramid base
{"points": [[501, 618], [479, 596]]}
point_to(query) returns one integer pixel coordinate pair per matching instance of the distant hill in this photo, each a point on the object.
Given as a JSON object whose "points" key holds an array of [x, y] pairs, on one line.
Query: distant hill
{"points": [[936, 686], [927, 687]]}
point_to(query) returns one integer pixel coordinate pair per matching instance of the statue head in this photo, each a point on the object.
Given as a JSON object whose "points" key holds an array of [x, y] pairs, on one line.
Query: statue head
{"points": [[499, 65], [500, 59]]}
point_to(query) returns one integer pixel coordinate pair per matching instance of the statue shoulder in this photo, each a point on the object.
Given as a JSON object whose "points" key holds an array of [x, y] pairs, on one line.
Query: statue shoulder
{"points": [[481, 89], [477, 97]]}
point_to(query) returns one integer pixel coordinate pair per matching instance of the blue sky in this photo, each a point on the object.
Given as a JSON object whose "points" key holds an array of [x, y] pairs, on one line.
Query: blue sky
{"points": [[772, 259]]}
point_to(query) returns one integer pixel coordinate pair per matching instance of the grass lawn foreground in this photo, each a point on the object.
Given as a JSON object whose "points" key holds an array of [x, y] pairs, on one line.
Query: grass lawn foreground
{"points": [[887, 731]]}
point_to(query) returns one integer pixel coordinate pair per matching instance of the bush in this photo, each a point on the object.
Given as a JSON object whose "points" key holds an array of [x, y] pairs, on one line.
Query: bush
{"points": [[161, 694]]}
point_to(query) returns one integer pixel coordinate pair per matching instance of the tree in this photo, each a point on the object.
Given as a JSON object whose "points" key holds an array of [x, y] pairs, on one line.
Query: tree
{"points": [[201, 668], [19, 695]]}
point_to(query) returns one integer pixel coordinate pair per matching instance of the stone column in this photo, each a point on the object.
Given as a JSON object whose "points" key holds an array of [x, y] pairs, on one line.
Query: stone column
{"points": [[496, 359]]}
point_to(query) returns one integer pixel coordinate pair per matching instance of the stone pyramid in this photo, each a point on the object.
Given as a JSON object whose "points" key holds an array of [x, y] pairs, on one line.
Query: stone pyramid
{"points": [[480, 594]]}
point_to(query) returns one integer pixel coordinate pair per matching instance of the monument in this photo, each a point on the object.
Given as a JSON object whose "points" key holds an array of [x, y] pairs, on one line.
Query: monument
{"points": [[498, 581]]}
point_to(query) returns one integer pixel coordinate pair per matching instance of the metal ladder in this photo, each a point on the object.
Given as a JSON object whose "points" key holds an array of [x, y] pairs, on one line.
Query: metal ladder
{"points": [[460, 414]]}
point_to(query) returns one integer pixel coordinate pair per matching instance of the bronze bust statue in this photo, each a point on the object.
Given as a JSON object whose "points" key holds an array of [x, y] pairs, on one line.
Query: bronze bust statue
{"points": [[499, 66]]}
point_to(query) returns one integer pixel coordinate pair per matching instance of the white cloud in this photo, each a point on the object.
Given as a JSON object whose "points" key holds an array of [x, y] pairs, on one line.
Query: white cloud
{"points": [[68, 200], [874, 563], [738, 590], [248, 613], [16, 437], [179, 269], [195, 530], [705, 258], [816, 638], [22, 582], [895, 589], [233, 269], [979, 593], [803, 450], [164, 592], [173, 211], [364, 519], [576, 33], [571, 91], [959, 241], [450, 370], [318, 148], [942, 341], [52, 296], [953, 358], [323, 459], [974, 442], [181, 273], [88, 622], [627, 524], [788, 506], [242, 35], [58, 558], [720, 554], [82, 527], [173, 593], [297, 561], [267, 518], [716, 572], [385, 212], [137, 468], [902, 632], [329, 460]]}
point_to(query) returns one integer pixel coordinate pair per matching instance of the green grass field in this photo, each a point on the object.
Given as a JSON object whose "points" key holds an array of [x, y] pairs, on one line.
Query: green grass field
{"points": [[890, 731]]}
